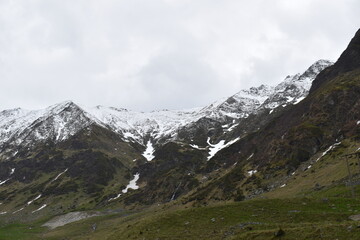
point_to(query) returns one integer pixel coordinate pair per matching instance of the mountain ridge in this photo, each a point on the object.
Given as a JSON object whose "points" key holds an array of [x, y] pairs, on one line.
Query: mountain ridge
{"points": [[138, 126]]}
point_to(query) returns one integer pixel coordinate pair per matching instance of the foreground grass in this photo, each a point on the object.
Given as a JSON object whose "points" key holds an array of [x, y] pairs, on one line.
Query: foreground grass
{"points": [[257, 219], [300, 218], [20, 231]]}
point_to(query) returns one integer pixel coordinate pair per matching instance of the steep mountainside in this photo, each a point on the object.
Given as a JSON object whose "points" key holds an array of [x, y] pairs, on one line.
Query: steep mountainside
{"points": [[323, 126]]}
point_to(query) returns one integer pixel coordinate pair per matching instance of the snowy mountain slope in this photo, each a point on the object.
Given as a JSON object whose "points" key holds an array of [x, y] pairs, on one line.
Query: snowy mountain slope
{"points": [[56, 123], [14, 121], [295, 88], [241, 104], [290, 91], [249, 109], [60, 121], [139, 125]]}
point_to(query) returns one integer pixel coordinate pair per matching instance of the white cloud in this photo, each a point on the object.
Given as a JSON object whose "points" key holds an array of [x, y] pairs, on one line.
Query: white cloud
{"points": [[148, 55]]}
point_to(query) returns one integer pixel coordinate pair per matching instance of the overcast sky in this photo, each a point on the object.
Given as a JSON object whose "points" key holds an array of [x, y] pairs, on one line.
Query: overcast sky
{"points": [[156, 54]]}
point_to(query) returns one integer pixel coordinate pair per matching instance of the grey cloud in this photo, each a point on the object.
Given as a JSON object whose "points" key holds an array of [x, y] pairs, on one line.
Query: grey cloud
{"points": [[147, 55]]}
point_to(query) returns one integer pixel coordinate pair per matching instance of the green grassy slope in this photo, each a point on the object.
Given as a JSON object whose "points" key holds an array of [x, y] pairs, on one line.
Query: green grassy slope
{"points": [[299, 218]]}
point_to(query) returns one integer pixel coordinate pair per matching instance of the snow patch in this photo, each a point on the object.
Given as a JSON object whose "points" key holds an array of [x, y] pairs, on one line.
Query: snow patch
{"points": [[219, 146], [250, 156], [358, 122], [3, 182], [2, 213], [12, 171], [61, 126], [252, 172], [59, 175], [18, 210], [114, 198], [283, 185], [40, 208], [196, 147], [129, 135], [289, 99], [328, 150], [231, 128], [299, 100], [132, 183], [149, 152], [30, 202]]}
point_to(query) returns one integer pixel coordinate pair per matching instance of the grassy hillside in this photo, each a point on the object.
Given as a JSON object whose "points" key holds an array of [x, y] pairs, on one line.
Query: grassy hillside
{"points": [[298, 218]]}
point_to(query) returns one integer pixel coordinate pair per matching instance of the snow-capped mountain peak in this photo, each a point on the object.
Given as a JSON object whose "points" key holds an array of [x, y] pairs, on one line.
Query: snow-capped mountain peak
{"points": [[57, 123], [296, 87], [316, 68], [291, 90]]}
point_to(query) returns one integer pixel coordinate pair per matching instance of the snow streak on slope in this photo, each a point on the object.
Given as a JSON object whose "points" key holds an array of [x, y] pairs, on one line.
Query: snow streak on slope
{"points": [[328, 150], [114, 198], [149, 152], [3, 182], [252, 172], [19, 210], [56, 178], [30, 202], [132, 184], [214, 148], [40, 208], [196, 147]]}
